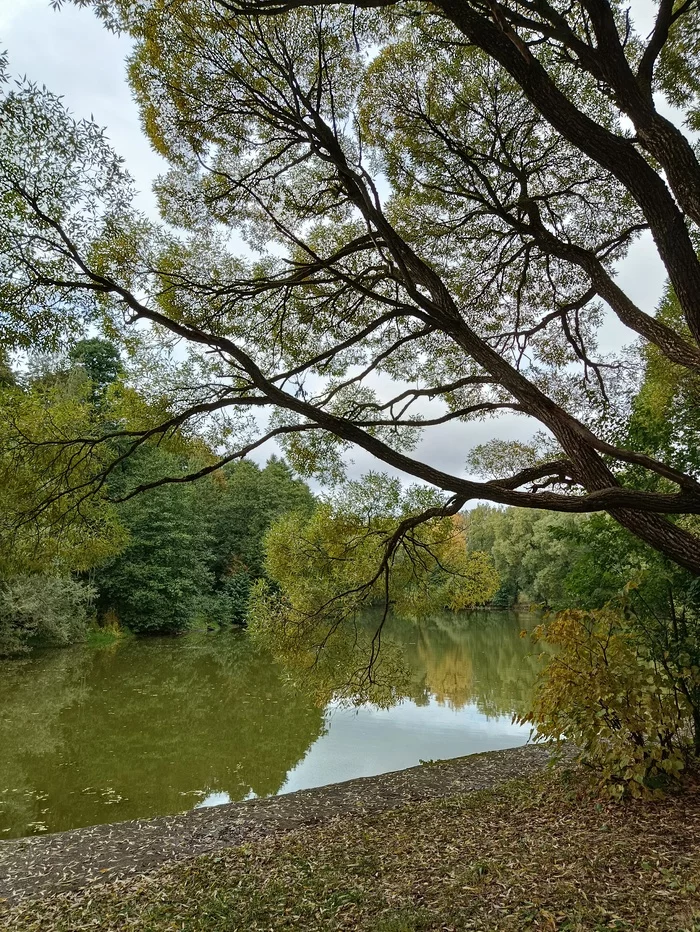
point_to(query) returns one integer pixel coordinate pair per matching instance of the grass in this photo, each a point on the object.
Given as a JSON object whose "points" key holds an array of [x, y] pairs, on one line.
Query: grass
{"points": [[530, 855], [104, 635]]}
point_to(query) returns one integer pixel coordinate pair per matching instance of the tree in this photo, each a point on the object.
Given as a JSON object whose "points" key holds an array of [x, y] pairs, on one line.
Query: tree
{"points": [[7, 376], [70, 531], [533, 553], [247, 500], [243, 503], [374, 546], [434, 193], [194, 549], [40, 601], [623, 682], [602, 690], [100, 361], [183, 551], [157, 582], [665, 416], [42, 609]]}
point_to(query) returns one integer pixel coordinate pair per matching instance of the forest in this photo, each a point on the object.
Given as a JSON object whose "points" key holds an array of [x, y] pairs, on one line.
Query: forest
{"points": [[180, 557], [244, 544]]}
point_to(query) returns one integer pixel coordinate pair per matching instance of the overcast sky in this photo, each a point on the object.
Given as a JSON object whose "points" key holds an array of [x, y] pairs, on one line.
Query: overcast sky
{"points": [[73, 55]]}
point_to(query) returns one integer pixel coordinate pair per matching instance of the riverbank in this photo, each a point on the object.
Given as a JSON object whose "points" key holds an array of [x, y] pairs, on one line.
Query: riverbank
{"points": [[424, 849], [40, 865]]}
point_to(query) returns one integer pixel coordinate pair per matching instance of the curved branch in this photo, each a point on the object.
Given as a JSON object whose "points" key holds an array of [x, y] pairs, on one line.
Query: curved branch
{"points": [[213, 467]]}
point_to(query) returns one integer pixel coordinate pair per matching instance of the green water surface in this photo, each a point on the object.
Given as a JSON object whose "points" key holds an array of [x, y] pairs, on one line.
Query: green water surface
{"points": [[143, 728]]}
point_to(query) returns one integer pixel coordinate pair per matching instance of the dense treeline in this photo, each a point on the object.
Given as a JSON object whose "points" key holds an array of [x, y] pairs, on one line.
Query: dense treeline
{"points": [[194, 549], [532, 552], [178, 555], [556, 561]]}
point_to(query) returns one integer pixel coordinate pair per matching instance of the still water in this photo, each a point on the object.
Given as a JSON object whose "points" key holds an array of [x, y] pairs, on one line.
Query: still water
{"points": [[150, 727]]}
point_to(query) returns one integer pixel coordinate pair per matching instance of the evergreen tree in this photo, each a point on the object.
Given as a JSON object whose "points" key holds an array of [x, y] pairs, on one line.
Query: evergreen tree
{"points": [[157, 583], [246, 502]]}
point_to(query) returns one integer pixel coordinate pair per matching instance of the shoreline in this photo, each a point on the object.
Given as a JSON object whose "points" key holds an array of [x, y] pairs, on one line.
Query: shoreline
{"points": [[39, 866]]}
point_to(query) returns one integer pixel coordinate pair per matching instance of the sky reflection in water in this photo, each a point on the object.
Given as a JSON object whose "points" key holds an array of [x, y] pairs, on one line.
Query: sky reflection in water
{"points": [[147, 728]]}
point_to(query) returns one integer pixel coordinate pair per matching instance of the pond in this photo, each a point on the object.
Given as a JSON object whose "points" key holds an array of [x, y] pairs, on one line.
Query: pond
{"points": [[144, 728]]}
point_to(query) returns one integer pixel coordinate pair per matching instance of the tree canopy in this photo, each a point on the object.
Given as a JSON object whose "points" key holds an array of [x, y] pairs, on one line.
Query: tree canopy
{"points": [[373, 546], [373, 204], [179, 555]]}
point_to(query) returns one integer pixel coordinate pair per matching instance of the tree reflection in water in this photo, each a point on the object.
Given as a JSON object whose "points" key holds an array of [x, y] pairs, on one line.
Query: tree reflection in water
{"points": [[150, 727], [485, 661], [145, 728]]}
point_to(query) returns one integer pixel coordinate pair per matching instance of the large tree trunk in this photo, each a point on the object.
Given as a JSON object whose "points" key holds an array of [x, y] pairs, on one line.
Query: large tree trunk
{"points": [[669, 539]]}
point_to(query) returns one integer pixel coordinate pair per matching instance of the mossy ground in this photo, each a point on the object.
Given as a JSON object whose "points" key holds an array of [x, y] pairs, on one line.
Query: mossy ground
{"points": [[531, 854]]}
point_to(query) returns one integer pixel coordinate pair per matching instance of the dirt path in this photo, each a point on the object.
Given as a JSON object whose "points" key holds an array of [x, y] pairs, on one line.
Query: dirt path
{"points": [[34, 867]]}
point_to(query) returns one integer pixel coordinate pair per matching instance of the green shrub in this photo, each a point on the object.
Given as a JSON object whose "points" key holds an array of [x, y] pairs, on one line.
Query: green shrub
{"points": [[42, 609]]}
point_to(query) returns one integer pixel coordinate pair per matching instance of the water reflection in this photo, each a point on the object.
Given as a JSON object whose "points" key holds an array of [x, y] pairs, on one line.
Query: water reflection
{"points": [[146, 728], [484, 661]]}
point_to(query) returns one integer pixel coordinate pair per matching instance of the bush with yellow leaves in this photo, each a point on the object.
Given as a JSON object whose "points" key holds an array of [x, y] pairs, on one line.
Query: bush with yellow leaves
{"points": [[602, 690]]}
